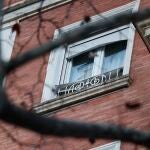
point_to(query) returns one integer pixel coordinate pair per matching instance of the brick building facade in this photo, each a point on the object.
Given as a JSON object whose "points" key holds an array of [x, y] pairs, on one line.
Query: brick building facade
{"points": [[109, 86]]}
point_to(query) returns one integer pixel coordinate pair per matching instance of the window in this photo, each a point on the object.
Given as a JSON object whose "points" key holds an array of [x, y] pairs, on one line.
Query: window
{"points": [[96, 61], [110, 146], [90, 62], [93, 61], [7, 42]]}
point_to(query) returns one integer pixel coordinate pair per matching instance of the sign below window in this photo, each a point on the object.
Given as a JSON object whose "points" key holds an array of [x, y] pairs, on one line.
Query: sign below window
{"points": [[75, 87]]}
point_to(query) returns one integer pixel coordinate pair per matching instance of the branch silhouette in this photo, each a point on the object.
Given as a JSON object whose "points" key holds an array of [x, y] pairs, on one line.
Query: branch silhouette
{"points": [[74, 35], [13, 114], [65, 128]]}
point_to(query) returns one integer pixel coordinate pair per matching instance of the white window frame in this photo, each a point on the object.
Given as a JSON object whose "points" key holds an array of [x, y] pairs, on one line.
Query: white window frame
{"points": [[100, 41], [7, 41], [56, 58], [110, 146]]}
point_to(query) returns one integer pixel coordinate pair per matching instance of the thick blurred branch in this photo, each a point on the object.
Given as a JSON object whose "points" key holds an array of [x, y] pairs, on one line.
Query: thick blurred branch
{"points": [[64, 128], [75, 35]]}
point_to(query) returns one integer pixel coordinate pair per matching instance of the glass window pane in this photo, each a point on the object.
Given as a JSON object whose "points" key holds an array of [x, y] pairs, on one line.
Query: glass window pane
{"points": [[7, 42], [82, 67], [114, 56]]}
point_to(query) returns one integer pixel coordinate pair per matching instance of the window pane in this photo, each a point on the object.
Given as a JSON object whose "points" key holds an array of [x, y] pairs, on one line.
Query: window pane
{"points": [[82, 67], [7, 42], [114, 56]]}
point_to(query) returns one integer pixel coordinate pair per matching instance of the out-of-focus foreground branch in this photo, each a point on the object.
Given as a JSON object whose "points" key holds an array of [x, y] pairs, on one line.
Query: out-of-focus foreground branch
{"points": [[75, 35], [64, 128]]}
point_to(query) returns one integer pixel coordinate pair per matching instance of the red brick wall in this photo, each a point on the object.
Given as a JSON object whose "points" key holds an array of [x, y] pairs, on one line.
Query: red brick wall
{"points": [[29, 28], [107, 108]]}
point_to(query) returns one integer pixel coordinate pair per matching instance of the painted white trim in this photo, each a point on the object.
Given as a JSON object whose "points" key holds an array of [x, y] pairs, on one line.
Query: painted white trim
{"points": [[98, 62], [66, 73], [29, 9], [130, 42], [53, 73], [120, 33], [109, 146], [7, 41], [136, 7], [53, 78], [101, 35], [147, 31]]}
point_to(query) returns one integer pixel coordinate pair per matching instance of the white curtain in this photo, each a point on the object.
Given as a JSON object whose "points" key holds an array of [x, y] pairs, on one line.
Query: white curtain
{"points": [[114, 56], [82, 67]]}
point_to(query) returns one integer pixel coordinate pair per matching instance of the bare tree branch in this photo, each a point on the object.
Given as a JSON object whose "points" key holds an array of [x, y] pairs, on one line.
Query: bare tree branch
{"points": [[75, 35], [64, 128], [13, 114]]}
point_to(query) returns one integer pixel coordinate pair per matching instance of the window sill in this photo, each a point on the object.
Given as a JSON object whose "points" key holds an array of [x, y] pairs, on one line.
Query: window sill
{"points": [[74, 98]]}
